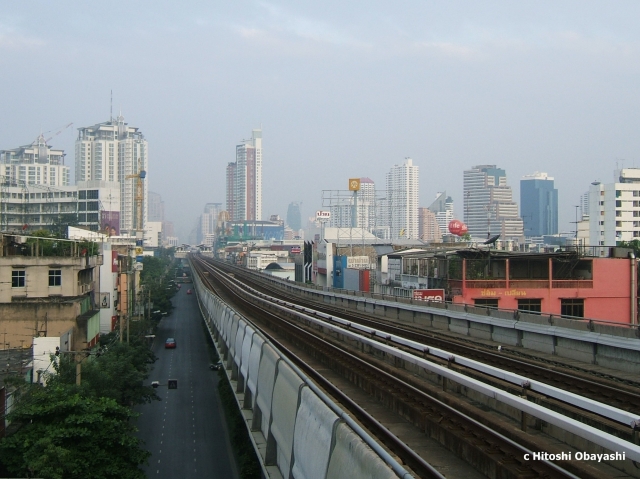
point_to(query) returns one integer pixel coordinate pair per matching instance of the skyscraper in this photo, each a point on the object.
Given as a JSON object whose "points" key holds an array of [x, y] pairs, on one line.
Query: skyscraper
{"points": [[34, 164], [244, 180], [402, 200], [294, 218], [489, 208], [113, 151], [538, 205], [442, 207], [428, 226]]}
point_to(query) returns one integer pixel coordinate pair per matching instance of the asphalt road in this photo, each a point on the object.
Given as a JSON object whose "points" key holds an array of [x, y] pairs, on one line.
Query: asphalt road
{"points": [[185, 431]]}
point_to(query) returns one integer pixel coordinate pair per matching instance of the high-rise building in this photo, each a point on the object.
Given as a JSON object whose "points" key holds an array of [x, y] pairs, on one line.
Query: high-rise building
{"points": [[614, 209], [208, 223], [428, 226], [402, 200], [442, 207], [489, 208], [584, 205], [294, 218], [114, 151], [539, 205], [244, 180], [353, 208], [34, 164], [156, 207]]}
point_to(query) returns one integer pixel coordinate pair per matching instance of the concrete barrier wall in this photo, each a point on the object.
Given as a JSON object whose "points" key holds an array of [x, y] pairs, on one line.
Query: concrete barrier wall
{"points": [[291, 426], [608, 345]]}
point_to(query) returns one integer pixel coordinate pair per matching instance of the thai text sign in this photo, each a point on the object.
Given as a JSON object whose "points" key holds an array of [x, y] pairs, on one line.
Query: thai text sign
{"points": [[428, 294]]}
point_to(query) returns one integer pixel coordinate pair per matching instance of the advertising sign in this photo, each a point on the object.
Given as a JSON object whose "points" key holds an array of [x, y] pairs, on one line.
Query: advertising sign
{"points": [[323, 215], [428, 294], [296, 250], [114, 261], [357, 262], [110, 223], [354, 184], [105, 300]]}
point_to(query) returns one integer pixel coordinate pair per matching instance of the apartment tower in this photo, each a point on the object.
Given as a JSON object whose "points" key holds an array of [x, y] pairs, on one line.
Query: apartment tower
{"points": [[244, 180]]}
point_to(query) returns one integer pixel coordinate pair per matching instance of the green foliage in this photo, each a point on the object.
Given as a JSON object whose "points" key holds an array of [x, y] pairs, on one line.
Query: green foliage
{"points": [[635, 245], [64, 434]]}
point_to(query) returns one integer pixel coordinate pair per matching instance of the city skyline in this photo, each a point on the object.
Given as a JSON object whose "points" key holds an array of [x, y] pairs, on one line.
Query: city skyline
{"points": [[528, 87]]}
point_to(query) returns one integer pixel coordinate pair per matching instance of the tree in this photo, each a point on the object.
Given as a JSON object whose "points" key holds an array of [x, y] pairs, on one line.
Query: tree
{"points": [[63, 434]]}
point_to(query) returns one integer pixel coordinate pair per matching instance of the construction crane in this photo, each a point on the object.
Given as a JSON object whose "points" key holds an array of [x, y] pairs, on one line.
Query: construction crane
{"points": [[58, 132], [141, 175]]}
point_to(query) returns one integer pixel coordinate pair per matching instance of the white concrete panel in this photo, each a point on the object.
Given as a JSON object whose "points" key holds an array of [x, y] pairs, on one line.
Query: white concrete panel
{"points": [[266, 381], [254, 365], [246, 350], [351, 458], [312, 436], [233, 331], [238, 342], [283, 417]]}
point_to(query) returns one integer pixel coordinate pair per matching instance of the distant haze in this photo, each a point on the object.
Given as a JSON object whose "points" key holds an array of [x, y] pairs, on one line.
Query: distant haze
{"points": [[341, 89]]}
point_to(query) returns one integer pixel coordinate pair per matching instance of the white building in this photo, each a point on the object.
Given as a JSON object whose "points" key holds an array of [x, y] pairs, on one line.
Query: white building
{"points": [[614, 209], [402, 198], [34, 164], [99, 206], [244, 180], [114, 151], [153, 234]]}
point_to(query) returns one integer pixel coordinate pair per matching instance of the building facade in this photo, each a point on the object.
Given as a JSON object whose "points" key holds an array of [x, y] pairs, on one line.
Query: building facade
{"points": [[539, 205], [614, 209], [294, 217], [402, 200], [113, 151], [428, 226], [244, 180], [489, 208], [442, 207], [34, 164]]}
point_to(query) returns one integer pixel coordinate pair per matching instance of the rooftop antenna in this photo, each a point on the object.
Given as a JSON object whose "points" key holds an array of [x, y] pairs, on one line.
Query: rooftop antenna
{"points": [[111, 110]]}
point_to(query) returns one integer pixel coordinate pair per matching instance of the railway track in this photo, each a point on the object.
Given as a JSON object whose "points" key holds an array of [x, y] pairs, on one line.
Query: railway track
{"points": [[625, 397], [486, 441]]}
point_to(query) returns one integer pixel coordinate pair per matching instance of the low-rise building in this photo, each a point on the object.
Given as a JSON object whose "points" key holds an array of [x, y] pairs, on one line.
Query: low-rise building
{"points": [[48, 287]]}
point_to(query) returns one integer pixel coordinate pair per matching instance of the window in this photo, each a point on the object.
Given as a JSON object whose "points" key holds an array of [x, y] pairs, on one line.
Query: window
{"points": [[618, 213], [493, 303], [618, 193], [572, 307], [18, 278], [618, 224], [55, 277], [602, 203], [618, 203], [530, 305], [602, 223]]}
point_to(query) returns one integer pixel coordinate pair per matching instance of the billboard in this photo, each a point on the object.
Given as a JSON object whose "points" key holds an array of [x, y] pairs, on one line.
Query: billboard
{"points": [[428, 294], [105, 300], [114, 261], [110, 223], [354, 184], [323, 215]]}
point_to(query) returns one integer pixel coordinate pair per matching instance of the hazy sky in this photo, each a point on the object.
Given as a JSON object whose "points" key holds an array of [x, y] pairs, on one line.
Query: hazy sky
{"points": [[341, 89]]}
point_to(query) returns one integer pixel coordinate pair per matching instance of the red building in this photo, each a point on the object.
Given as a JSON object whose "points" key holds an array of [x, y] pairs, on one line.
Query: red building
{"points": [[568, 283]]}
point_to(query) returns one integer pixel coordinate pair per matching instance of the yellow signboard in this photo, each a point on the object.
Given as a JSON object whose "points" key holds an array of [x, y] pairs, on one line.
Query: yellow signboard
{"points": [[139, 250], [354, 184]]}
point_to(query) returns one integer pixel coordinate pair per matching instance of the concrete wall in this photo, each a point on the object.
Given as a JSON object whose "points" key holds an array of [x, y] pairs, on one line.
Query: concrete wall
{"points": [[296, 431], [606, 344]]}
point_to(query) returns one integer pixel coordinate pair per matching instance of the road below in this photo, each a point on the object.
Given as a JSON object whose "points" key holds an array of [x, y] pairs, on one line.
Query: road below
{"points": [[185, 431]]}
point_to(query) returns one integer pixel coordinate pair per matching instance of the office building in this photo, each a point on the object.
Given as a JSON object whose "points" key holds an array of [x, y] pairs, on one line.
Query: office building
{"points": [[489, 208], [614, 209], [402, 201], [538, 205], [428, 226], [294, 217], [442, 207], [244, 180], [208, 223], [34, 164], [156, 207], [114, 151]]}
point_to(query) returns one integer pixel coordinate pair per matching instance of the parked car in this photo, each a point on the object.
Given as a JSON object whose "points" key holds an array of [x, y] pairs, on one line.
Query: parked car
{"points": [[188, 291], [170, 343]]}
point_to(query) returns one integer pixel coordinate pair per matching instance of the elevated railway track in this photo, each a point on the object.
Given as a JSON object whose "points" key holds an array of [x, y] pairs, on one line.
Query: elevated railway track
{"points": [[479, 406]]}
